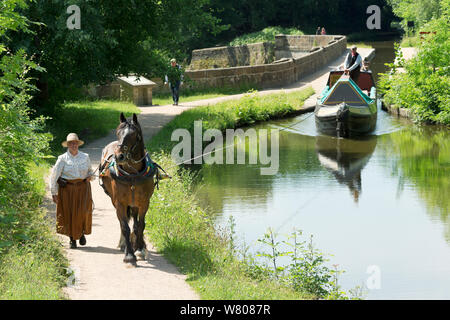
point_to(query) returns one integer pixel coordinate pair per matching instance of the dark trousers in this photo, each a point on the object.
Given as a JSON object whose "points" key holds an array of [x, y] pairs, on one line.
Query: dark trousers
{"points": [[354, 74], [175, 88]]}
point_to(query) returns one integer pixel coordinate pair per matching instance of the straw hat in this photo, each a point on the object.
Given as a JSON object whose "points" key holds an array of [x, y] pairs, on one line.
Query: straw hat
{"points": [[72, 137]]}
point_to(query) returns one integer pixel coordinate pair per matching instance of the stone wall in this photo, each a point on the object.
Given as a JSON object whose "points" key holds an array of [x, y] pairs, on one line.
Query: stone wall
{"points": [[226, 57], [321, 51], [299, 46]]}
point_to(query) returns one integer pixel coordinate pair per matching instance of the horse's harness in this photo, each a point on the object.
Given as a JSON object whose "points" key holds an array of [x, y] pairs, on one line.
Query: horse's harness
{"points": [[149, 171], [128, 153]]}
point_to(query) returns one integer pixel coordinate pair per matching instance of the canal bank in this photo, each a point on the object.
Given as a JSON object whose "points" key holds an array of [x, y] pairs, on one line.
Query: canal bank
{"points": [[399, 111]]}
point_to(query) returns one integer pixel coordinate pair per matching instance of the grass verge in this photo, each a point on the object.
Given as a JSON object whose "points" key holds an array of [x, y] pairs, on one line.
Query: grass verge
{"points": [[33, 267], [184, 231], [267, 34], [89, 119], [234, 113], [188, 94]]}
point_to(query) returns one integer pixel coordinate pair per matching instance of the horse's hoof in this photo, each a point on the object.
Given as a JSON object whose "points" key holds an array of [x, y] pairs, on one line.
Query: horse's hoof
{"points": [[130, 259], [141, 254]]}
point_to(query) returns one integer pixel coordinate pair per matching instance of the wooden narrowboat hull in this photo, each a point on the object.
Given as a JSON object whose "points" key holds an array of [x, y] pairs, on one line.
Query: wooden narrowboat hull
{"points": [[345, 120]]}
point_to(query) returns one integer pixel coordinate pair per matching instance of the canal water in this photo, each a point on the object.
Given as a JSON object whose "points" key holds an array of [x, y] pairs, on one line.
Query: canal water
{"points": [[378, 205]]}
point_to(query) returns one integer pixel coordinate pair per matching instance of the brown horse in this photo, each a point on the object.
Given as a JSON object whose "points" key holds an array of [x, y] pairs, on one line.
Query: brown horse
{"points": [[128, 176]]}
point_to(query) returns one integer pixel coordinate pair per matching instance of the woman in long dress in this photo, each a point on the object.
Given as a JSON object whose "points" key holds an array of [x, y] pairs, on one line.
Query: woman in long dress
{"points": [[71, 191]]}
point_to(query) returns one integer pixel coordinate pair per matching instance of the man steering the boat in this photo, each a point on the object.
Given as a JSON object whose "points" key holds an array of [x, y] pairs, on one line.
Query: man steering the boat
{"points": [[353, 63]]}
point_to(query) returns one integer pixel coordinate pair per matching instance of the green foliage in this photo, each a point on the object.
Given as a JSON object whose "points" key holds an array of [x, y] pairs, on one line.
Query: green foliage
{"points": [[266, 35], [20, 140], [418, 11], [35, 269], [31, 263], [89, 119], [410, 41], [306, 271], [189, 94], [116, 37], [423, 87]]}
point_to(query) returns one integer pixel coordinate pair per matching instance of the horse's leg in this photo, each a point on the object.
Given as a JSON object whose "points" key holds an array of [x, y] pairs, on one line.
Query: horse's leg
{"points": [[122, 243], [141, 247], [123, 219], [134, 234]]}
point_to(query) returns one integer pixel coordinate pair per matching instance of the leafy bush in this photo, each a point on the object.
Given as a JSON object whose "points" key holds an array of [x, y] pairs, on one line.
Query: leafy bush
{"points": [[307, 271], [423, 86], [31, 263], [267, 34], [21, 142]]}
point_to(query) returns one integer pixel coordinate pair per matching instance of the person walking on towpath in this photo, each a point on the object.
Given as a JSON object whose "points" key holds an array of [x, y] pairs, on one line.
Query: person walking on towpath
{"points": [[353, 63], [174, 77], [71, 191]]}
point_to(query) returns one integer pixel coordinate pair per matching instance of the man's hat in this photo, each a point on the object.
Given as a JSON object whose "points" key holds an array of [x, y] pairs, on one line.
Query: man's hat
{"points": [[72, 137]]}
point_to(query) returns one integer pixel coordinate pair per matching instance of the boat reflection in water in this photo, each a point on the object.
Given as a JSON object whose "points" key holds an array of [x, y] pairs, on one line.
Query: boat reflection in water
{"points": [[346, 158]]}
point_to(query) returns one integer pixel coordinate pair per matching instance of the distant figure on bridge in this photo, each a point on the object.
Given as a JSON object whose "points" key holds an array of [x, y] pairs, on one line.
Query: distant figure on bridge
{"points": [[174, 77], [318, 31], [323, 32], [353, 63]]}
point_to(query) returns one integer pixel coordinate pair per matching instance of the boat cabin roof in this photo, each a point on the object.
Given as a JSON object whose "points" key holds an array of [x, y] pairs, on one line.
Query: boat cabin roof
{"points": [[346, 90], [365, 79]]}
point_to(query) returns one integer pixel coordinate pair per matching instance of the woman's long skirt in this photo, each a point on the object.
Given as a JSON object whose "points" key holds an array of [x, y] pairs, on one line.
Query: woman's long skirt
{"points": [[74, 209]]}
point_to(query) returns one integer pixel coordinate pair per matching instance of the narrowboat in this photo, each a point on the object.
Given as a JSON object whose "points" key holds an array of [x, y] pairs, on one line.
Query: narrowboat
{"points": [[346, 108]]}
